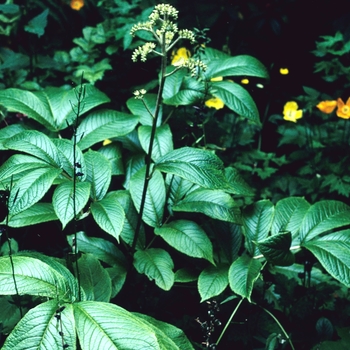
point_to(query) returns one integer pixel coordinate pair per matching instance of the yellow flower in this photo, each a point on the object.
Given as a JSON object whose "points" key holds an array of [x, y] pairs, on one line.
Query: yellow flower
{"points": [[76, 4], [291, 112], [245, 81], [214, 102], [182, 55], [106, 142], [284, 71], [216, 79], [343, 110], [327, 106]]}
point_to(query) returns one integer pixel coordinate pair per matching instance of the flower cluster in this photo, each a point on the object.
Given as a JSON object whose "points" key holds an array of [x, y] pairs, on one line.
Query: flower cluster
{"points": [[194, 65], [76, 4], [143, 51], [343, 109], [291, 112], [139, 94], [163, 10], [187, 34]]}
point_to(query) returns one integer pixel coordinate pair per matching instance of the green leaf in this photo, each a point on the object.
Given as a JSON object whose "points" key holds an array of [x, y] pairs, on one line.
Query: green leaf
{"points": [[109, 215], [185, 275], [289, 214], [100, 248], [155, 196], [137, 107], [33, 277], [257, 220], [322, 217], [237, 99], [31, 188], [173, 82], [212, 281], [37, 24], [63, 200], [162, 143], [241, 65], [94, 279], [333, 252], [98, 173], [36, 214], [177, 188], [52, 106], [196, 165], [157, 265], [104, 124], [276, 249], [214, 203], [38, 328], [114, 153], [9, 131], [117, 274], [237, 183], [188, 238], [242, 275], [35, 143]]}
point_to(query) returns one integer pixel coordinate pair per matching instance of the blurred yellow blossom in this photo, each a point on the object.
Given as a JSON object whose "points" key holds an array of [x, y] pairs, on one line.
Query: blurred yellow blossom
{"points": [[76, 4], [180, 56], [245, 81], [291, 112], [327, 106], [106, 142], [216, 79], [215, 102], [284, 71], [343, 110]]}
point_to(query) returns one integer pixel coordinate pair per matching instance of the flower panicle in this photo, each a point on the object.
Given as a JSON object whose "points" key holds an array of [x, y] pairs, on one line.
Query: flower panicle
{"points": [[194, 65], [143, 51]]}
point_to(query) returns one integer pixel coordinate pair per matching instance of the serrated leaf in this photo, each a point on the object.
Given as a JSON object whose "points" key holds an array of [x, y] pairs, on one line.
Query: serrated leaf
{"points": [[98, 173], [36, 214], [322, 217], [137, 107], [109, 215], [117, 274], [333, 252], [100, 248], [237, 183], [104, 124], [114, 153], [155, 196], [188, 238], [37, 24], [177, 188], [214, 203], [212, 281], [242, 275], [257, 220], [157, 265], [63, 200], [276, 249], [10, 131], [38, 328], [31, 188], [162, 142], [35, 143], [198, 166], [237, 99]]}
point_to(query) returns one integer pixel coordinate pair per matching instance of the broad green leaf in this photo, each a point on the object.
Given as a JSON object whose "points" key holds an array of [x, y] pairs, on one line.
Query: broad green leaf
{"points": [[241, 65], [10, 131], [191, 91], [169, 336], [333, 252], [177, 188], [157, 265], [155, 196], [10, 313], [107, 326], [212, 281], [137, 107], [173, 82], [196, 165], [109, 215], [188, 238], [114, 153], [130, 222], [213, 54], [31, 188], [237, 99], [94, 279], [162, 143], [39, 329], [214, 203], [276, 249], [322, 217], [63, 200], [104, 124], [289, 214], [257, 220], [100, 248], [37, 24], [185, 275], [35, 143], [237, 183], [242, 275], [33, 277], [52, 106], [133, 165], [98, 173], [117, 274], [36, 214]]}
